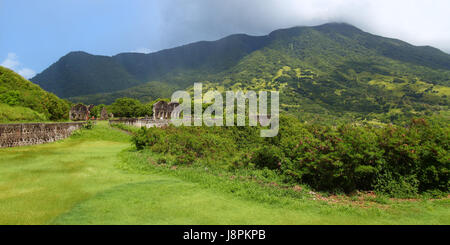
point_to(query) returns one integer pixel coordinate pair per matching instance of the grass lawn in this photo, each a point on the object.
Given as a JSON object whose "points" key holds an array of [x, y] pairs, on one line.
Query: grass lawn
{"points": [[82, 180]]}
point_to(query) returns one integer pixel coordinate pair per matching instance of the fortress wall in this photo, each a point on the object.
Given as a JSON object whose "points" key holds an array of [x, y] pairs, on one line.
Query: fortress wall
{"points": [[12, 135], [142, 122]]}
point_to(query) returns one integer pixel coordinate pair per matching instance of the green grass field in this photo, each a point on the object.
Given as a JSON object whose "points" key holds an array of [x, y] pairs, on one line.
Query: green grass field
{"points": [[95, 177]]}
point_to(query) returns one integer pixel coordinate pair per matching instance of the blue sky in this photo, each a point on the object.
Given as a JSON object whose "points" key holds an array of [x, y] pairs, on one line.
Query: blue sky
{"points": [[38, 33], [35, 34]]}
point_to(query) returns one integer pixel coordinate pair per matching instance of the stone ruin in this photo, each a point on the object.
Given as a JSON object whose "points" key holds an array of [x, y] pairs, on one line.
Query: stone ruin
{"points": [[104, 114], [163, 110], [141, 122], [80, 112]]}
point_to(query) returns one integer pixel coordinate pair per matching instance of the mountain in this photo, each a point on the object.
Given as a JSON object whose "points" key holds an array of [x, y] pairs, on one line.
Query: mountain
{"points": [[335, 69], [21, 100], [80, 73], [145, 93]]}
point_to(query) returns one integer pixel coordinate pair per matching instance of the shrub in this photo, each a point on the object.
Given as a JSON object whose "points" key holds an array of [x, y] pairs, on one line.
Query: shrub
{"points": [[400, 186], [418, 152], [345, 158], [11, 98], [88, 125], [268, 156], [144, 138], [186, 158], [400, 161]]}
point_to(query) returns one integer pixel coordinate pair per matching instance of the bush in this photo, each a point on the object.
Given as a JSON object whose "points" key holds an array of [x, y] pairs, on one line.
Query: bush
{"points": [[400, 186], [145, 137], [88, 125], [267, 156], [11, 98], [345, 158], [400, 161], [418, 152]]}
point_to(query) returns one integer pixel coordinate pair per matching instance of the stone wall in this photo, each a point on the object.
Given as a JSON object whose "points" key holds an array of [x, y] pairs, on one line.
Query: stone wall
{"points": [[12, 135], [142, 122]]}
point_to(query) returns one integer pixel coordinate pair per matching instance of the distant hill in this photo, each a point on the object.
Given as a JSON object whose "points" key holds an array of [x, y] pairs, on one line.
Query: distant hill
{"points": [[333, 70], [21, 100], [80, 73], [145, 93]]}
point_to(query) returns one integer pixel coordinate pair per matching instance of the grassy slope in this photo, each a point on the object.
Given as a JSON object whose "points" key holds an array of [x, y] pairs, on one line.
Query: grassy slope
{"points": [[18, 114], [76, 181], [21, 100]]}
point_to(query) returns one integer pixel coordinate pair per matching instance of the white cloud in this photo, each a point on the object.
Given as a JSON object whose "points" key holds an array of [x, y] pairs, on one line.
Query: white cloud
{"points": [[419, 22], [12, 62], [26, 73]]}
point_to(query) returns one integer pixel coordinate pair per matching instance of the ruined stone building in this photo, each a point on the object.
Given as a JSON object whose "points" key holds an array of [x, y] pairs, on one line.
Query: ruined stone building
{"points": [[163, 110], [104, 114], [80, 112]]}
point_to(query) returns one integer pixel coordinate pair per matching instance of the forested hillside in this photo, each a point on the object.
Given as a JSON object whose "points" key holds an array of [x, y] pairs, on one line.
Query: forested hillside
{"points": [[332, 71]]}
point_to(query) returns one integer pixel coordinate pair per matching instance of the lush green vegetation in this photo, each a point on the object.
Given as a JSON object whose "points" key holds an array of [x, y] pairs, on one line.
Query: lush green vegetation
{"points": [[328, 73], [21, 100], [19, 114], [344, 85], [127, 107], [395, 160], [96, 110], [144, 93], [101, 180]]}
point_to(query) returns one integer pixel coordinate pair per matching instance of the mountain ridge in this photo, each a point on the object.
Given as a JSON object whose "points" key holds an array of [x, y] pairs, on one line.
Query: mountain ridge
{"points": [[349, 70]]}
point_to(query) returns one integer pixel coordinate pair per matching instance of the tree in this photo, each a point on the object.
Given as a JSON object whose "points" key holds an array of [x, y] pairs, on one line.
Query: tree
{"points": [[57, 109], [97, 110], [146, 110], [126, 107]]}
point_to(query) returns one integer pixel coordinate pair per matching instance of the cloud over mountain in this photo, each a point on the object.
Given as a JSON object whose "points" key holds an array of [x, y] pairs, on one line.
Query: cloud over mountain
{"points": [[416, 21], [12, 62]]}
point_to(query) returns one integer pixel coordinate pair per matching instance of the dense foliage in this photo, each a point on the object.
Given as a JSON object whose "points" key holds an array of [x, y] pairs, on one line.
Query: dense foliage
{"points": [[96, 110], [19, 114], [324, 73], [127, 107], [147, 92], [22, 100], [398, 160]]}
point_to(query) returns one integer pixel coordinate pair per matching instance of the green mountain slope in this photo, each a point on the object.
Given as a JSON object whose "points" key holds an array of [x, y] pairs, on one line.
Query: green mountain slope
{"points": [[21, 100], [334, 69], [80, 73], [146, 92]]}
